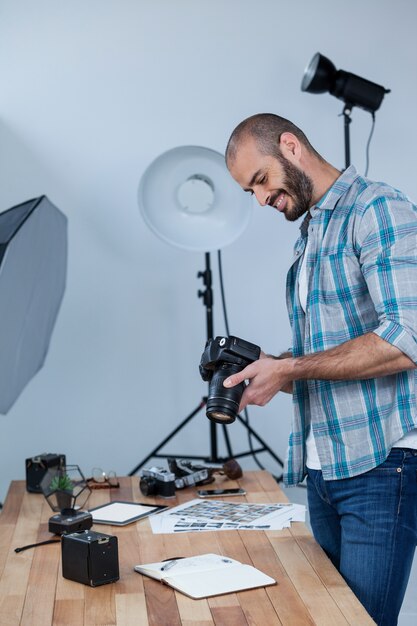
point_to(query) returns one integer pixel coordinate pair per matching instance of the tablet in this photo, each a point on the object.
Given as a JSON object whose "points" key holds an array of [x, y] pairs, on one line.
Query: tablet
{"points": [[121, 513]]}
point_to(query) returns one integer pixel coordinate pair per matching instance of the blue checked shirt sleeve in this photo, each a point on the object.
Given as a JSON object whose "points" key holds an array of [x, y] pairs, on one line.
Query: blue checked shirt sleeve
{"points": [[387, 240]]}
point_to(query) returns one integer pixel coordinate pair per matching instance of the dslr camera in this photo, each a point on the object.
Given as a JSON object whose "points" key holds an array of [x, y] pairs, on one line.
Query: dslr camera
{"points": [[157, 481], [222, 357]]}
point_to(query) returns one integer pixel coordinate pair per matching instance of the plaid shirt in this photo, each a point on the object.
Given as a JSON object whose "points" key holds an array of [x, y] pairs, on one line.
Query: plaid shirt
{"points": [[362, 277]]}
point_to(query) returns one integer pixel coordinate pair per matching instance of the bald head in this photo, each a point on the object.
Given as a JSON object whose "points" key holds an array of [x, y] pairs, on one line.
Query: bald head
{"points": [[266, 130]]}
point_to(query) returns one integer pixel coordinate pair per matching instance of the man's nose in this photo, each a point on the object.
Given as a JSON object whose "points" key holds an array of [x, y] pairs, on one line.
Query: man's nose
{"points": [[262, 197]]}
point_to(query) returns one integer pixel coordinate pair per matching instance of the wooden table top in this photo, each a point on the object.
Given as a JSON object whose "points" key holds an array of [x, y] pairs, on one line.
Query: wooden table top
{"points": [[33, 591]]}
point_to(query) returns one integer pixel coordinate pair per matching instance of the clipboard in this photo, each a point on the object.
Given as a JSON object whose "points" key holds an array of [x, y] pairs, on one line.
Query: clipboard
{"points": [[119, 513]]}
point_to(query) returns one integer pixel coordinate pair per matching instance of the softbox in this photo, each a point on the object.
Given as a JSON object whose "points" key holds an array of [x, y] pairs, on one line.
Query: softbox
{"points": [[33, 267]]}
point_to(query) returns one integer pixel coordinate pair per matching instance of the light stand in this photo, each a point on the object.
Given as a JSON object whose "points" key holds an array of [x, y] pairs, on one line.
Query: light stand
{"points": [[207, 297], [213, 457], [321, 76], [209, 210], [347, 120]]}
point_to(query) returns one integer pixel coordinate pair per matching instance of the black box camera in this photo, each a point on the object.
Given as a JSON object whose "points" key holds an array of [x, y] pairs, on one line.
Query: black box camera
{"points": [[90, 558], [37, 466]]}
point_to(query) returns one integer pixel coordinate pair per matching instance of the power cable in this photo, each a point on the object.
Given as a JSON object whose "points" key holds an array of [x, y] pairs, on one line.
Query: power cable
{"points": [[369, 143]]}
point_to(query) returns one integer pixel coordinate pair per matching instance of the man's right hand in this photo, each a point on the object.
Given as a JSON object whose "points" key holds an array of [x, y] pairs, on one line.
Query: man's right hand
{"points": [[267, 376]]}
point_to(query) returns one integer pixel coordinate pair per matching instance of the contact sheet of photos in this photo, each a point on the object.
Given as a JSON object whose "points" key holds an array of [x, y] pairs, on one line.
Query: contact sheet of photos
{"points": [[198, 515]]}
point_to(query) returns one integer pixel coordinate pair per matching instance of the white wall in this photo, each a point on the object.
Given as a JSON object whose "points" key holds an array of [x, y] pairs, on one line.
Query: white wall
{"points": [[91, 93]]}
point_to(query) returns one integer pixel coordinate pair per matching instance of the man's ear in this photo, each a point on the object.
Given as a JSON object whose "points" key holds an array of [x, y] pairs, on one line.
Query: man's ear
{"points": [[290, 147]]}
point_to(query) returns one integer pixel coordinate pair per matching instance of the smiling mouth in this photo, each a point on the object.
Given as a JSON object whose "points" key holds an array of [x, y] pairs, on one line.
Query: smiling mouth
{"points": [[279, 202]]}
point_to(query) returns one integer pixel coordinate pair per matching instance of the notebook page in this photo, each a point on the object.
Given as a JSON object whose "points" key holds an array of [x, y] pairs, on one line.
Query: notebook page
{"points": [[215, 582], [190, 565]]}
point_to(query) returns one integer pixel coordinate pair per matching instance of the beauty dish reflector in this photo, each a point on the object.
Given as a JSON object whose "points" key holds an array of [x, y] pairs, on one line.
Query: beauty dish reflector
{"points": [[188, 199]]}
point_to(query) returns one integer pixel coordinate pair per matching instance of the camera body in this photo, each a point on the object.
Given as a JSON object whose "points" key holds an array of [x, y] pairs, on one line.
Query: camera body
{"points": [[222, 357], [157, 481], [187, 473], [90, 558], [37, 466]]}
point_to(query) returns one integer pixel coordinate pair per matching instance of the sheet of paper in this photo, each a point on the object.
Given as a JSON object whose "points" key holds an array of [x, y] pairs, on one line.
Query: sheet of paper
{"points": [[217, 582]]}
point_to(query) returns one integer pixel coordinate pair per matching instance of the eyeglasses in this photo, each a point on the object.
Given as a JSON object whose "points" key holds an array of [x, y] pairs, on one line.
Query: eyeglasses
{"points": [[101, 479]]}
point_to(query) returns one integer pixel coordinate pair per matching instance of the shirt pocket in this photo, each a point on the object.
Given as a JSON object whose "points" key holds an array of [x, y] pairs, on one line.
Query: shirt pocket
{"points": [[340, 297]]}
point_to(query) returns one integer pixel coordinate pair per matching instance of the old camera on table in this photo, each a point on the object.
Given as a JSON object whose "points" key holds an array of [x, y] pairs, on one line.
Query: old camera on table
{"points": [[157, 481], [90, 558], [222, 357], [37, 466]]}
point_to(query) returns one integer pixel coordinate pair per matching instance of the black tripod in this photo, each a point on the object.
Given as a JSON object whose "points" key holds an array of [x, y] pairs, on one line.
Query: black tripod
{"points": [[213, 457]]}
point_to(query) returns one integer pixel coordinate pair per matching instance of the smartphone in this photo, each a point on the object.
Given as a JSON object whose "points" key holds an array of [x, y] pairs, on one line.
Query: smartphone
{"points": [[216, 493]]}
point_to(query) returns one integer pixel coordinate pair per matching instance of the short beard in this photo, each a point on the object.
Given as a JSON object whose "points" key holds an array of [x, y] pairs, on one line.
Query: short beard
{"points": [[299, 186]]}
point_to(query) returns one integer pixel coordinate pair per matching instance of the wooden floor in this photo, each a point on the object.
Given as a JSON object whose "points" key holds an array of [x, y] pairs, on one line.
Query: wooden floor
{"points": [[34, 593]]}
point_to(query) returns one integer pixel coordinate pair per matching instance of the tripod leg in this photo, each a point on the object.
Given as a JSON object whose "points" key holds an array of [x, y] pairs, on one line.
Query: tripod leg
{"points": [[170, 436], [265, 447], [227, 441]]}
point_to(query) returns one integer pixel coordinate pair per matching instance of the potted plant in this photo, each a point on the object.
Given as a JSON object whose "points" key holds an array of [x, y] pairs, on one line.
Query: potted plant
{"points": [[62, 486]]}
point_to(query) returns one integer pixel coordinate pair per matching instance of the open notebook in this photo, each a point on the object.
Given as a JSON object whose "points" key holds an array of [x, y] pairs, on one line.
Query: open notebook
{"points": [[206, 575]]}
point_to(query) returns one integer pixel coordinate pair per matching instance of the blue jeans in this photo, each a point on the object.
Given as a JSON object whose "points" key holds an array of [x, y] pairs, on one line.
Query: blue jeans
{"points": [[367, 525]]}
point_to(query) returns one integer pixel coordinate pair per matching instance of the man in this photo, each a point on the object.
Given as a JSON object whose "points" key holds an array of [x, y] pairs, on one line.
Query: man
{"points": [[352, 301]]}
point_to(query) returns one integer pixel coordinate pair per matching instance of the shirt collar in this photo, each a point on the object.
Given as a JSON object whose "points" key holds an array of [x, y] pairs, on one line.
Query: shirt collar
{"points": [[331, 197], [339, 187]]}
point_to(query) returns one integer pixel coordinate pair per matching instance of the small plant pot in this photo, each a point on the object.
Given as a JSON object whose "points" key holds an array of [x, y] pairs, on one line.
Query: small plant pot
{"points": [[64, 499]]}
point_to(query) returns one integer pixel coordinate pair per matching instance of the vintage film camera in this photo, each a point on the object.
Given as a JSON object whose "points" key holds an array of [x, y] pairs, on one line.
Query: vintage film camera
{"points": [[188, 473], [90, 558], [222, 357], [157, 481], [37, 466]]}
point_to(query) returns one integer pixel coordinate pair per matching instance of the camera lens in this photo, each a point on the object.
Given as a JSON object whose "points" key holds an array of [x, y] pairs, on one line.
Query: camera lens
{"points": [[148, 486], [223, 403]]}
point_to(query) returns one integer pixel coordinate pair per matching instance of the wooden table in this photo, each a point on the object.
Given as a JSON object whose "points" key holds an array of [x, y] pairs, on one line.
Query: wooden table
{"points": [[33, 591]]}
